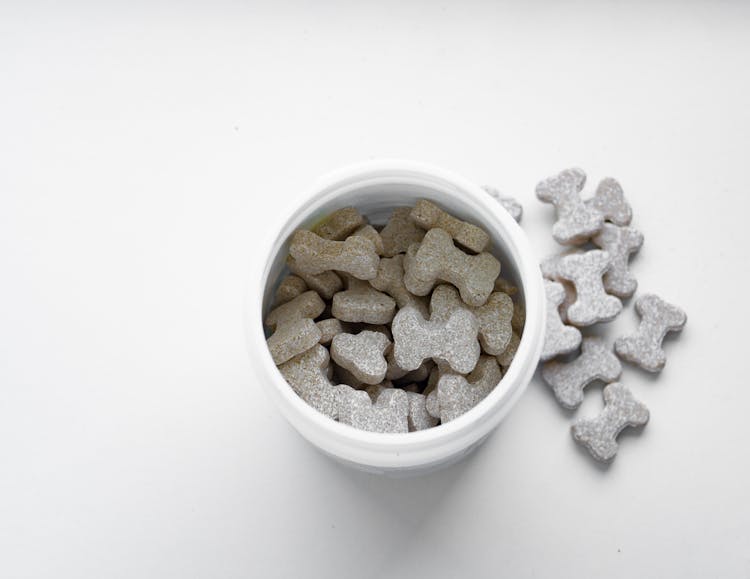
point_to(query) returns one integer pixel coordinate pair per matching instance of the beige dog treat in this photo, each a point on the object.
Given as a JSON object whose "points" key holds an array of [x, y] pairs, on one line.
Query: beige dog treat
{"points": [[307, 375], [339, 224], [292, 338], [369, 232], [311, 254], [585, 271], [326, 283], [505, 286], [620, 243], [289, 288], [453, 341], [493, 317], [389, 413], [438, 259], [329, 328], [390, 279], [428, 216], [363, 303], [507, 356], [558, 338], [362, 354], [400, 232], [306, 305], [457, 395]]}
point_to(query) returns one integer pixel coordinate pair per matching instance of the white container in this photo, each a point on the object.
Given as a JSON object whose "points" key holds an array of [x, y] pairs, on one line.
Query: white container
{"points": [[375, 188]]}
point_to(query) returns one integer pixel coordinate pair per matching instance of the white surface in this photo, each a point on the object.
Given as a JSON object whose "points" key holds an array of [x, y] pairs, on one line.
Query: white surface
{"points": [[143, 147]]}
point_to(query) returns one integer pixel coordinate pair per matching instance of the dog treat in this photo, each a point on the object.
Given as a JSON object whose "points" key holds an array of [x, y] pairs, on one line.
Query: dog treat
{"points": [[567, 380], [505, 286], [507, 356], [339, 224], [289, 288], [292, 338], [419, 418], [619, 243], [609, 201], [644, 347], [326, 283], [329, 328], [453, 341], [428, 216], [307, 375], [360, 302], [519, 316], [436, 258], [311, 254], [306, 305], [559, 338], [510, 204], [585, 271], [390, 279], [369, 232], [576, 222], [419, 375], [400, 232], [390, 413], [343, 376], [493, 317], [599, 434], [362, 355], [457, 394]]}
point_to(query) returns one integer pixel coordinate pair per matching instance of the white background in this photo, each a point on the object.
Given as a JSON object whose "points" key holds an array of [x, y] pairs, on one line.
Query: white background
{"points": [[145, 148]]}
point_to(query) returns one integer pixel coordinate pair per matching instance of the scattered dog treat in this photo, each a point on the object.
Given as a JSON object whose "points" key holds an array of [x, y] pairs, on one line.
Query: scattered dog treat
{"points": [[609, 200], [438, 259], [390, 413], [360, 302], [620, 243], [390, 279], [585, 271], [340, 224], [559, 338], [400, 232], [510, 204], [599, 434], [453, 341], [369, 232], [458, 394], [644, 347], [362, 355], [567, 380], [311, 254], [494, 317], [428, 216], [292, 338], [289, 288], [307, 375]]}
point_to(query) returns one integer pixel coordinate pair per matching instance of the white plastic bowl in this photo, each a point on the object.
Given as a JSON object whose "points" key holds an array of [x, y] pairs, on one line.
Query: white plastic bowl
{"points": [[375, 188]]}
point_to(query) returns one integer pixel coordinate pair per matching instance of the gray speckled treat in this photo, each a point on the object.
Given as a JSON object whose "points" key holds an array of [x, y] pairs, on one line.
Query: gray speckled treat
{"points": [[339, 224], [419, 418], [437, 258], [493, 317], [428, 216], [599, 434], [363, 303], [645, 346], [576, 222], [510, 204], [388, 414], [609, 200], [453, 341], [306, 305], [362, 355], [585, 271], [558, 338], [620, 243], [329, 328], [369, 232], [458, 394], [307, 375], [507, 356], [326, 283], [400, 232], [568, 379], [292, 338], [311, 254], [390, 279]]}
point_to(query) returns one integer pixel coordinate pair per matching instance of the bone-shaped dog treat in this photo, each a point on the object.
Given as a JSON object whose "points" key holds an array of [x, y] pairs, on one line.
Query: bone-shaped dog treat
{"points": [[363, 303], [599, 434], [307, 376], [558, 338], [388, 414], [390, 279], [567, 380], [620, 243], [311, 254], [505, 286], [362, 355], [306, 305], [510, 204], [419, 375], [289, 288], [644, 347], [458, 394], [428, 216], [438, 259], [585, 271], [329, 328], [326, 283], [292, 338], [419, 418], [576, 222], [369, 232], [340, 224], [400, 232], [507, 356], [343, 376], [453, 341], [493, 317], [609, 201]]}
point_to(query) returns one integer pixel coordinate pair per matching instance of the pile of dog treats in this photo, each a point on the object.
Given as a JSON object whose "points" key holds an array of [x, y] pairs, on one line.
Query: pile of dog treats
{"points": [[584, 286], [394, 329]]}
